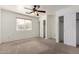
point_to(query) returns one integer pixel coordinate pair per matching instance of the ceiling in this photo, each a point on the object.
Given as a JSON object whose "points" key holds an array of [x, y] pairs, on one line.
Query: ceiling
{"points": [[50, 9]]}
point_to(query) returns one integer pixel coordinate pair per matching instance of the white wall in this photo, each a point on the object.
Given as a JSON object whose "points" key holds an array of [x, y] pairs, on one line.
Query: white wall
{"points": [[51, 33], [69, 25], [43, 17], [70, 29], [50, 26], [0, 27], [9, 32], [53, 26]]}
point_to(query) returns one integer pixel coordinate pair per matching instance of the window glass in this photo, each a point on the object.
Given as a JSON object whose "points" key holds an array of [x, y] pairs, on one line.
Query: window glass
{"points": [[23, 24]]}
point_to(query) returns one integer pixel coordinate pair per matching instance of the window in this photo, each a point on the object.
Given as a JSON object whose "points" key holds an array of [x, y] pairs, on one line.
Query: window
{"points": [[23, 24]]}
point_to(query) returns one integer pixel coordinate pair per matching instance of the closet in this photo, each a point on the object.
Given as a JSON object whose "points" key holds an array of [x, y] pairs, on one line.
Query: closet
{"points": [[61, 28]]}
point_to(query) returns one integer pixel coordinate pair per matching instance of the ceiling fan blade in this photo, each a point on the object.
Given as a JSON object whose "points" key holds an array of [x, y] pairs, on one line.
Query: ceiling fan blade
{"points": [[28, 12], [41, 11], [27, 8]]}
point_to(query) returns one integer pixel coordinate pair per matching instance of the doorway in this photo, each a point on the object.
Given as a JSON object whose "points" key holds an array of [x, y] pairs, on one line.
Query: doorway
{"points": [[44, 27], [61, 29], [77, 29]]}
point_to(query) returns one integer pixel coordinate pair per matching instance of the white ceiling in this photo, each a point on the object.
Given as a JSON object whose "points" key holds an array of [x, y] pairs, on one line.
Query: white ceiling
{"points": [[50, 9]]}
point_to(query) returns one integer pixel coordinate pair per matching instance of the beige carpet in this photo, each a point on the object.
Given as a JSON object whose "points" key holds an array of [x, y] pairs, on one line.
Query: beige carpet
{"points": [[36, 46]]}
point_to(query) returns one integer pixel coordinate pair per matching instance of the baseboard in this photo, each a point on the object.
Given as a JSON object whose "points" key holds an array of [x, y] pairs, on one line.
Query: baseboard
{"points": [[17, 39]]}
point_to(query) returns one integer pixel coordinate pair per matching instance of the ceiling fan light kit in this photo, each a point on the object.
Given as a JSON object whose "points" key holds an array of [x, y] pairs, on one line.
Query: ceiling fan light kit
{"points": [[35, 10]]}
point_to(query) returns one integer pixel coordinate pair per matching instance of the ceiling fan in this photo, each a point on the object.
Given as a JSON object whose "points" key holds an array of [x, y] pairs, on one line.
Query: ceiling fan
{"points": [[35, 10]]}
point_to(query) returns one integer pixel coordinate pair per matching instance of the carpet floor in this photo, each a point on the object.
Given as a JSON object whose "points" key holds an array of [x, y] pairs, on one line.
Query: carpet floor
{"points": [[36, 46]]}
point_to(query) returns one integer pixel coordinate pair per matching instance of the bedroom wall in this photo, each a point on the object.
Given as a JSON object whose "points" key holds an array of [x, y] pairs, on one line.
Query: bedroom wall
{"points": [[43, 17], [51, 26], [69, 25], [0, 27], [9, 32]]}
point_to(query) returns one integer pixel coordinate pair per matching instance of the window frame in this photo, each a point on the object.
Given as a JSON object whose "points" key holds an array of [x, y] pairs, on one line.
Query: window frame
{"points": [[17, 29]]}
